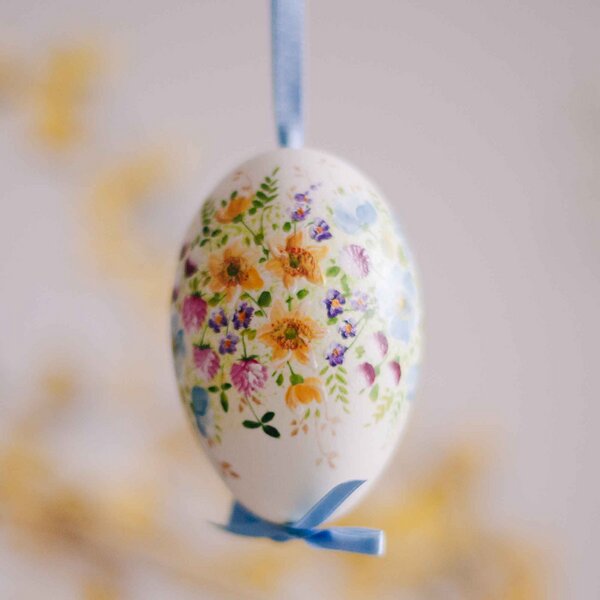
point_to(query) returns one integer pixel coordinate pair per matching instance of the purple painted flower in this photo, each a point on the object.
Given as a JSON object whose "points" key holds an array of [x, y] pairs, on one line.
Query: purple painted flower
{"points": [[348, 328], [334, 303], [242, 316], [300, 212], [395, 371], [335, 356], [304, 198], [356, 260], [228, 344], [320, 231], [248, 376], [368, 372], [190, 267], [218, 320], [207, 362], [359, 301], [193, 312]]}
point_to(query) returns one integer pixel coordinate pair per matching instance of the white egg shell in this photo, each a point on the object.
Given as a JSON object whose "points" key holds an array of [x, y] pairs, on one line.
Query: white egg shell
{"points": [[296, 330]]}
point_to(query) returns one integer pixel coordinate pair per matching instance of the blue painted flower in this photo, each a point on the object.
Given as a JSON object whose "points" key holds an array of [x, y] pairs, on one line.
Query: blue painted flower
{"points": [[405, 317], [359, 301], [218, 320], [319, 231], [334, 302], [228, 344], [353, 213], [411, 382], [348, 328], [178, 344], [300, 212], [201, 408], [336, 353], [242, 316]]}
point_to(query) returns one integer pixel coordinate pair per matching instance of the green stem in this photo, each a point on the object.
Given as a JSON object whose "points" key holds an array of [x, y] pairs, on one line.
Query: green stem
{"points": [[244, 346], [356, 337], [290, 367], [249, 401], [203, 334], [248, 228]]}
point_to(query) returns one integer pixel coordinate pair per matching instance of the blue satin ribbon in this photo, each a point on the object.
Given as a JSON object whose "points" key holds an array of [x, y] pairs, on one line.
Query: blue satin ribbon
{"points": [[361, 540], [287, 23]]}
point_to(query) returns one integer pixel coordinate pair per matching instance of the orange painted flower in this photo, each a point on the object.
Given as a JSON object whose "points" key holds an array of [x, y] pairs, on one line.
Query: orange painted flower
{"points": [[289, 333], [295, 260], [233, 268], [236, 207], [308, 391]]}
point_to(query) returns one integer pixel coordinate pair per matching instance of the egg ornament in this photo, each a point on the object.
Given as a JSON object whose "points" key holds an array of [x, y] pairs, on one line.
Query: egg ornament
{"points": [[296, 329]]}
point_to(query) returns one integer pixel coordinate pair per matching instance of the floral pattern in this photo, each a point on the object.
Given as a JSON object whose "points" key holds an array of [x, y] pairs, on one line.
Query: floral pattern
{"points": [[290, 315]]}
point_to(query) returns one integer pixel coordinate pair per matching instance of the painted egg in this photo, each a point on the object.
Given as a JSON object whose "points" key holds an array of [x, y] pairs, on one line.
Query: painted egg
{"points": [[296, 330]]}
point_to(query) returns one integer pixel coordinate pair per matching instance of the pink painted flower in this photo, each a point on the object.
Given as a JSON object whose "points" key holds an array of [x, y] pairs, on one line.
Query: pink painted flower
{"points": [[207, 362], [395, 371], [248, 376], [381, 343], [355, 260], [193, 312], [368, 372]]}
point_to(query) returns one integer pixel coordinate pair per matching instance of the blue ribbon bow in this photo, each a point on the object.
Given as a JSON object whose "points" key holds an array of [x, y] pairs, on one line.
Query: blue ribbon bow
{"points": [[287, 20], [349, 539]]}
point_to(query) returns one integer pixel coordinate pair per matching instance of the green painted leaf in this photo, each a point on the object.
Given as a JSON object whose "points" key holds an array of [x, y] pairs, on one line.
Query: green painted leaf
{"points": [[374, 392], [295, 378], [264, 299], [260, 313], [224, 401], [332, 321], [237, 219], [269, 430], [302, 294], [251, 424], [332, 271], [225, 386], [268, 416], [279, 379], [215, 299], [250, 333], [287, 226], [323, 370], [213, 389]]}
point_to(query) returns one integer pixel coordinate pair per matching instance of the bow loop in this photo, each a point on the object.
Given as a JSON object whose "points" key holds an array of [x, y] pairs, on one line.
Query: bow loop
{"points": [[348, 539]]}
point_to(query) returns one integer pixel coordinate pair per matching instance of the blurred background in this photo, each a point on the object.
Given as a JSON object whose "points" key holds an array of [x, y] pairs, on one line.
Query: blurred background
{"points": [[117, 118]]}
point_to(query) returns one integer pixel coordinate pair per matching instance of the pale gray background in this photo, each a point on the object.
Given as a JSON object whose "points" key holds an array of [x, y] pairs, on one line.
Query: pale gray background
{"points": [[481, 123]]}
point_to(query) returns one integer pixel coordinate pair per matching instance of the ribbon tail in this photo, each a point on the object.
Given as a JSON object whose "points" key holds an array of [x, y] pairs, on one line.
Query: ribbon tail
{"points": [[287, 33], [361, 540], [246, 523], [328, 504]]}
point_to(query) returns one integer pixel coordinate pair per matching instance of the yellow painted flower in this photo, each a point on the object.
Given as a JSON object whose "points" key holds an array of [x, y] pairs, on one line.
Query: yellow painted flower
{"points": [[236, 207], [304, 393], [295, 260], [289, 333], [233, 268]]}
